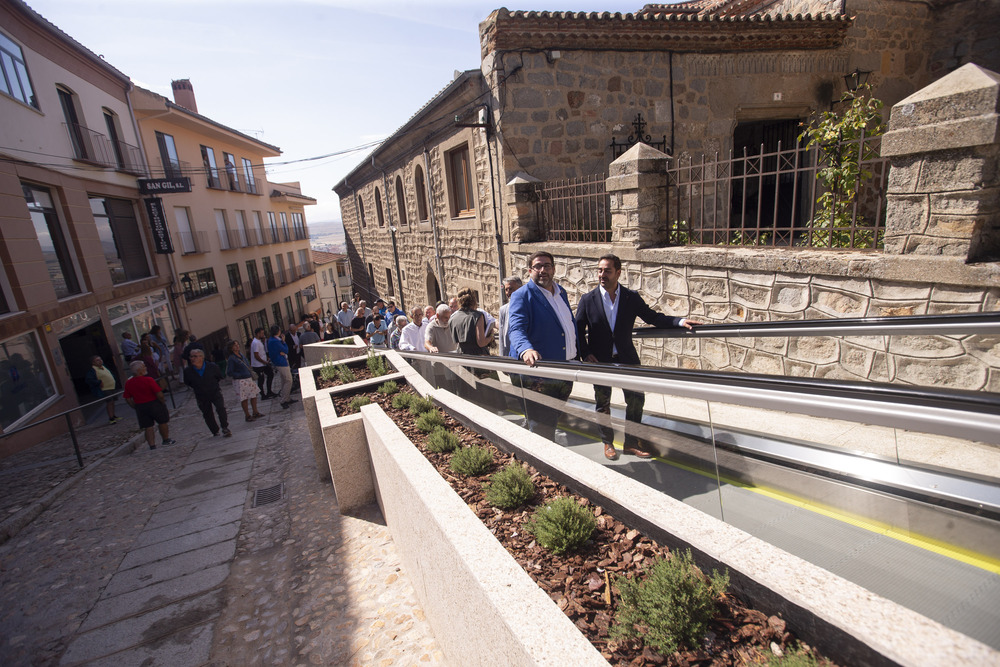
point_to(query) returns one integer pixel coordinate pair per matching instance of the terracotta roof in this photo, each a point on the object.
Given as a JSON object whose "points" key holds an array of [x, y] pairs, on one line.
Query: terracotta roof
{"points": [[321, 257], [745, 8]]}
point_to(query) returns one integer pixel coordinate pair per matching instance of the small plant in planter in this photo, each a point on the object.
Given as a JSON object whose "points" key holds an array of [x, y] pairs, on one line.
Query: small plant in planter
{"points": [[388, 388], [562, 525], [402, 400], [429, 421], [671, 605], [336, 372], [357, 402], [419, 405], [471, 461], [377, 364], [510, 488], [441, 441], [799, 656]]}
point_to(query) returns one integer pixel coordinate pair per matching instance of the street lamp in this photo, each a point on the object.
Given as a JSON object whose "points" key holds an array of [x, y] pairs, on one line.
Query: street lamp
{"points": [[856, 79]]}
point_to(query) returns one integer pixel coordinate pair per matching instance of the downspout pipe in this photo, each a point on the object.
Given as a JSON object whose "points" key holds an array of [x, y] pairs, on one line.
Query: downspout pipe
{"points": [[430, 211]]}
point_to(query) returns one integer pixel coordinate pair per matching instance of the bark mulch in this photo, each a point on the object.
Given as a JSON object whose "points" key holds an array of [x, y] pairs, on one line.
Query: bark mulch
{"points": [[582, 583]]}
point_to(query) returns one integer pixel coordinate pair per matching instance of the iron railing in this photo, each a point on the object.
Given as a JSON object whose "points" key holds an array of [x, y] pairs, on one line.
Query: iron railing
{"points": [[575, 209], [770, 199], [192, 243]]}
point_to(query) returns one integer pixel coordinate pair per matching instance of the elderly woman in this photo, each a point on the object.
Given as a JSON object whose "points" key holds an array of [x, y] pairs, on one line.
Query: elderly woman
{"points": [[143, 394], [468, 325], [204, 377], [238, 368]]}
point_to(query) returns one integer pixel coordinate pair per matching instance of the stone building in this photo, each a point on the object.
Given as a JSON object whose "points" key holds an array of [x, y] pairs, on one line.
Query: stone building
{"points": [[78, 255], [242, 256], [556, 90]]}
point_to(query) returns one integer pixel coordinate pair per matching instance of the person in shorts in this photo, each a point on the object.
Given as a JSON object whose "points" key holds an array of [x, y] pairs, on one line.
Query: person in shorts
{"points": [[144, 394]]}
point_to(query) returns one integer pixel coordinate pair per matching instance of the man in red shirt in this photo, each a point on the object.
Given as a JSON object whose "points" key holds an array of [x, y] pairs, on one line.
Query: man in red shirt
{"points": [[145, 395]]}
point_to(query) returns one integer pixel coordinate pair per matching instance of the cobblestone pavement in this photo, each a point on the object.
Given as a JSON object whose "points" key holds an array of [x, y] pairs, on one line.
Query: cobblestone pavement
{"points": [[137, 564]]}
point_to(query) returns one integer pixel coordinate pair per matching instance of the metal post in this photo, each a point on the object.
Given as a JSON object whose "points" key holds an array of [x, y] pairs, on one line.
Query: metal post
{"points": [[76, 444]]}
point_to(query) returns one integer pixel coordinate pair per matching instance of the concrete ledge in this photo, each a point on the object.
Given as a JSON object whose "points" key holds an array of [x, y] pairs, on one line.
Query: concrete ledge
{"points": [[484, 609], [849, 623], [315, 353]]}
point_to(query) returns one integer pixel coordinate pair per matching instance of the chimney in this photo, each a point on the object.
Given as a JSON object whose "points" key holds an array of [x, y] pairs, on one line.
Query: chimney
{"points": [[184, 94]]}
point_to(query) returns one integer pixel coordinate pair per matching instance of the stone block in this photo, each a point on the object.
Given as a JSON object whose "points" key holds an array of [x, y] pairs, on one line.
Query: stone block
{"points": [[798, 368], [954, 226], [976, 202], [985, 347], [904, 174], [882, 308], [814, 349], [900, 291], [907, 214], [926, 347], [856, 360], [753, 277], [789, 298], [750, 295], [920, 244], [708, 289], [527, 98], [761, 362], [861, 287], [838, 303], [950, 171], [956, 294], [958, 373]]}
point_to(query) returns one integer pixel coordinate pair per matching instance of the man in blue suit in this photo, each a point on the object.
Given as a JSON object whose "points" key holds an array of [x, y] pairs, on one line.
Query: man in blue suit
{"points": [[604, 320], [541, 326]]}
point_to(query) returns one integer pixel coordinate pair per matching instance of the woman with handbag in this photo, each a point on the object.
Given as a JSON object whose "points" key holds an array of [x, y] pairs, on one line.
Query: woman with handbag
{"points": [[244, 382]]}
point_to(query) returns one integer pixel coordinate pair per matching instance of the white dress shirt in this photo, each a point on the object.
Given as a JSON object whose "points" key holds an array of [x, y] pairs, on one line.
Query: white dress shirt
{"points": [[565, 318]]}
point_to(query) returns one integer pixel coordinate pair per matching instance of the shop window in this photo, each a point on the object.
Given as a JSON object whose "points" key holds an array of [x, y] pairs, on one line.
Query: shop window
{"points": [[121, 239], [51, 238], [25, 381], [14, 79], [420, 186]]}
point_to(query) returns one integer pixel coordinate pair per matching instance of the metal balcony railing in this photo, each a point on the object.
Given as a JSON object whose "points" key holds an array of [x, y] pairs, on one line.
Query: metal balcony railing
{"points": [[174, 168], [192, 243]]}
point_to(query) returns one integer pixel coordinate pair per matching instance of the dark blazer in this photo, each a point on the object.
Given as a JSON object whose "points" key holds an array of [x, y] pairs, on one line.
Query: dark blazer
{"points": [[534, 325], [593, 332], [207, 385]]}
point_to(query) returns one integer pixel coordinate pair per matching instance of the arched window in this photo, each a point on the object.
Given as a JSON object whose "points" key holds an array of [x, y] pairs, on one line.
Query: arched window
{"points": [[400, 201], [378, 208], [361, 212], [421, 190]]}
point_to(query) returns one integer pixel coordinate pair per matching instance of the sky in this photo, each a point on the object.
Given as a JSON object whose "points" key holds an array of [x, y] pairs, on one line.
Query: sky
{"points": [[313, 77]]}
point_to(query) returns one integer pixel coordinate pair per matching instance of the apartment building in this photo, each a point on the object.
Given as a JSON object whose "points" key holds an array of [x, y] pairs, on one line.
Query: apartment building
{"points": [[241, 247], [334, 283], [80, 263]]}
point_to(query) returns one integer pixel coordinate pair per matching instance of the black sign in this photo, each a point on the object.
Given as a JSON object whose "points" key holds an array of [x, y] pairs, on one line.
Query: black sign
{"points": [[156, 186], [158, 221]]}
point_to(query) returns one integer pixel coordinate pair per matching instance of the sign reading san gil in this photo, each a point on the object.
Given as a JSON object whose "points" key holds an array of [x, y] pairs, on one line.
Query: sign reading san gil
{"points": [[158, 186]]}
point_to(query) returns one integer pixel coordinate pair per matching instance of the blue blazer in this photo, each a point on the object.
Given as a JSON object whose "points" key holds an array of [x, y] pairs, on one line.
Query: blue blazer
{"points": [[533, 324]]}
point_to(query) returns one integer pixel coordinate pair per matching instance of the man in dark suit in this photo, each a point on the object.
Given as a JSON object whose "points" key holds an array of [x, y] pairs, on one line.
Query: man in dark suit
{"points": [[604, 320]]}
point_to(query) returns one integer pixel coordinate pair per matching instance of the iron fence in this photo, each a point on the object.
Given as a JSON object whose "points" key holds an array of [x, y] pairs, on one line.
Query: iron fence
{"points": [[770, 199], [575, 209]]}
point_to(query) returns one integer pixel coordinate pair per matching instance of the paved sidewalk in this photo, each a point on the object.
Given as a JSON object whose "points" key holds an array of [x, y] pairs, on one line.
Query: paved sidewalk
{"points": [[160, 558]]}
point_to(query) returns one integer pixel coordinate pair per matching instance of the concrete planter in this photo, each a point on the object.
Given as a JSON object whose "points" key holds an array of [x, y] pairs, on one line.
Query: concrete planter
{"points": [[315, 353]]}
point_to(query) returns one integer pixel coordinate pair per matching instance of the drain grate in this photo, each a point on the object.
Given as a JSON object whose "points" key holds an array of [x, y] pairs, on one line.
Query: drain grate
{"points": [[271, 494]]}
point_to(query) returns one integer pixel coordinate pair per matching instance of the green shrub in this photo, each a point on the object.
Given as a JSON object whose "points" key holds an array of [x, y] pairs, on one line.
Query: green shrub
{"points": [[471, 460], [419, 405], [429, 421], [671, 605], [388, 388], [377, 364], [357, 402], [402, 400], [799, 656], [510, 488], [343, 341], [562, 525], [440, 440], [339, 372]]}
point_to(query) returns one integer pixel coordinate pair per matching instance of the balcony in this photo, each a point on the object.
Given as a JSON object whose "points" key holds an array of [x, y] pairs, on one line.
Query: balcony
{"points": [[174, 168], [192, 243], [96, 148], [230, 179]]}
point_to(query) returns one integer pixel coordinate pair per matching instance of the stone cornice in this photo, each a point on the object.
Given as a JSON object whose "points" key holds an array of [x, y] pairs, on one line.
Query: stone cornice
{"points": [[683, 33]]}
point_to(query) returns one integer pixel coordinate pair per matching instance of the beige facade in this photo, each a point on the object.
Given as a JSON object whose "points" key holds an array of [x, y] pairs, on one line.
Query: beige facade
{"points": [[333, 281], [241, 247], [79, 263]]}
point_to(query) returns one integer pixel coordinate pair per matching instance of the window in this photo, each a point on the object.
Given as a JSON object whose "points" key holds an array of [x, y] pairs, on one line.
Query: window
{"points": [[248, 174], [291, 266], [183, 217], [55, 252], [284, 226], [299, 305], [288, 309], [232, 176], [121, 239], [202, 284], [79, 136], [299, 225], [241, 229], [280, 263], [329, 271], [220, 225], [361, 211], [168, 156], [211, 169], [114, 134], [304, 262], [276, 313], [259, 231], [460, 182], [14, 78], [236, 283], [268, 274], [421, 191], [371, 276], [27, 382], [252, 277], [324, 278], [388, 281], [341, 270], [274, 226], [400, 201], [378, 208]]}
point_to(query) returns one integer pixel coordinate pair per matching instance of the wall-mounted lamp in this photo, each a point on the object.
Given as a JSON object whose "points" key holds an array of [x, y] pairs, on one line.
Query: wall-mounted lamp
{"points": [[856, 79]]}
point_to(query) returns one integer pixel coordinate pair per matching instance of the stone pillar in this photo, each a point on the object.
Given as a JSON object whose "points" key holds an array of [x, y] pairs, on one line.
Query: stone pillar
{"points": [[637, 187], [522, 208], [944, 186]]}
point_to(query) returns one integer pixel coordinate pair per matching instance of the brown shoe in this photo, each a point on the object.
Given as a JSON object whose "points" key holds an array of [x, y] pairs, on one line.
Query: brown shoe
{"points": [[610, 453], [635, 451]]}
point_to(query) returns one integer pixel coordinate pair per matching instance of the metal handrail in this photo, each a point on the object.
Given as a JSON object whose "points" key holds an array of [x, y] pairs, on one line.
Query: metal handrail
{"points": [[69, 423], [962, 323]]}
